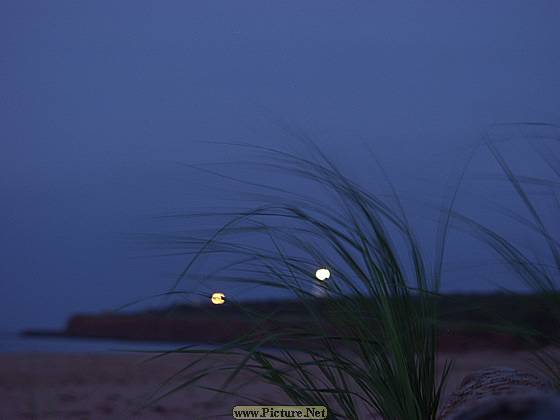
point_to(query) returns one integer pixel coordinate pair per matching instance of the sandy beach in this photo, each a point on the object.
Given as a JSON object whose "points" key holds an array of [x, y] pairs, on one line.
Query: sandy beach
{"points": [[113, 386]]}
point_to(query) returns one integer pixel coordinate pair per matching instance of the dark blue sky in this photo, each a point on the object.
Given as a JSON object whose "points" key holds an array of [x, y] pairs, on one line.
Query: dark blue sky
{"points": [[98, 100]]}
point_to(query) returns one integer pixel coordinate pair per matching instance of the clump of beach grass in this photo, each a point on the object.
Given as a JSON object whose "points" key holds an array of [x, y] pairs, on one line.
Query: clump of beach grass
{"points": [[540, 270], [374, 352]]}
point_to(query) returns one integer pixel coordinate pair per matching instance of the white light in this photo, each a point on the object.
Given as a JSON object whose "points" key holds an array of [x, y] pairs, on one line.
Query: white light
{"points": [[322, 274], [218, 298]]}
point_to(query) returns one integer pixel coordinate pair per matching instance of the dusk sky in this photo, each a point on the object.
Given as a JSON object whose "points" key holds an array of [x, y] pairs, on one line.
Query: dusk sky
{"points": [[100, 101]]}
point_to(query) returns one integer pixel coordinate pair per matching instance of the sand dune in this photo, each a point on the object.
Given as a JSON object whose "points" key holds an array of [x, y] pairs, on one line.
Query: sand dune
{"points": [[112, 386]]}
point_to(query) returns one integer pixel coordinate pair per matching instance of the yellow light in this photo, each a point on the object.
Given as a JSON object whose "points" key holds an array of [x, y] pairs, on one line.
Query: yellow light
{"points": [[218, 298], [322, 274]]}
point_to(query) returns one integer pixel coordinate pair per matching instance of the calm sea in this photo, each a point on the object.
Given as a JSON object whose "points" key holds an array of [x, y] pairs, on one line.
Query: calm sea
{"points": [[18, 343]]}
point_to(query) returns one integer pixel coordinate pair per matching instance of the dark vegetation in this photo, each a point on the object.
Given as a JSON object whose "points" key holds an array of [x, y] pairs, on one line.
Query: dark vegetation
{"points": [[397, 322], [467, 321]]}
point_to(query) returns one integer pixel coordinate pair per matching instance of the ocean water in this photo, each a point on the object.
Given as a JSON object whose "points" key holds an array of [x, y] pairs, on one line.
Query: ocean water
{"points": [[18, 343]]}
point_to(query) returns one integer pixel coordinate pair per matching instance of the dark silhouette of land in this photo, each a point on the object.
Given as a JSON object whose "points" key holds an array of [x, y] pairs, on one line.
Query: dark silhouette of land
{"points": [[469, 322]]}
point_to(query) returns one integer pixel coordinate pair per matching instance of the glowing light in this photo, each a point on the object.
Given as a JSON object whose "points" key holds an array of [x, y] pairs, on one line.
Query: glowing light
{"points": [[322, 274], [218, 298]]}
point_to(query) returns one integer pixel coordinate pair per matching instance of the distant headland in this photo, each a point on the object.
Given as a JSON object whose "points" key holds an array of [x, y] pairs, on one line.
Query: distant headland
{"points": [[469, 322]]}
